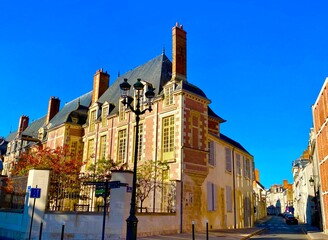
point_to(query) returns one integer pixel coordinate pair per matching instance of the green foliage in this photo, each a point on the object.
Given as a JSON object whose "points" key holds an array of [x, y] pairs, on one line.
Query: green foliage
{"points": [[103, 168], [149, 175]]}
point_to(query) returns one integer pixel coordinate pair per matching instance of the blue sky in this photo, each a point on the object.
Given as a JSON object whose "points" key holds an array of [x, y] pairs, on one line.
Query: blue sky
{"points": [[261, 63]]}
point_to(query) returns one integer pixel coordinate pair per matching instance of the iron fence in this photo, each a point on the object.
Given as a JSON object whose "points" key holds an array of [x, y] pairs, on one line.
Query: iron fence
{"points": [[160, 199], [13, 193], [70, 193]]}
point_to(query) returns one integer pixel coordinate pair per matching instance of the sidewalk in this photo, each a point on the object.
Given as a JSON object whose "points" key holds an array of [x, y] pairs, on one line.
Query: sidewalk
{"points": [[314, 233], [227, 234]]}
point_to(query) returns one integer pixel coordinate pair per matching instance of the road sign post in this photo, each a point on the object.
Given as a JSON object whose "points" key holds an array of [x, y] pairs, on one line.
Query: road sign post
{"points": [[35, 193]]}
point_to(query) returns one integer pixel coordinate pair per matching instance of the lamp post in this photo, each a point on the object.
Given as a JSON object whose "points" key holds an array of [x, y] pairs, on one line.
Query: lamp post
{"points": [[132, 221], [317, 212]]}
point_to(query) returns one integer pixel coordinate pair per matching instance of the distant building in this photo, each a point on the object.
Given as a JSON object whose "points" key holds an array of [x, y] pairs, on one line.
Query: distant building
{"points": [[279, 198]]}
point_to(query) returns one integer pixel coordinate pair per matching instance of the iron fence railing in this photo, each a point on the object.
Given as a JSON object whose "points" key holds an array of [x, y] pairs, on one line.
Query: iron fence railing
{"points": [[13, 193]]}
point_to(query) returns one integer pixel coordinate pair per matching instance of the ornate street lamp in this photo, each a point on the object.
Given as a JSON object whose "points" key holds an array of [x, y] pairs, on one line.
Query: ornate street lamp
{"points": [[132, 221]]}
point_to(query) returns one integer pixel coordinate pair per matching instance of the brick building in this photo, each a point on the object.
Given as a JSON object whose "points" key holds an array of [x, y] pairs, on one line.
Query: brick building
{"points": [[182, 130], [320, 132]]}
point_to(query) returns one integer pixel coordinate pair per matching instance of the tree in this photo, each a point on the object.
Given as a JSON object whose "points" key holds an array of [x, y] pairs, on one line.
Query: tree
{"points": [[59, 160], [149, 177], [65, 168], [103, 169]]}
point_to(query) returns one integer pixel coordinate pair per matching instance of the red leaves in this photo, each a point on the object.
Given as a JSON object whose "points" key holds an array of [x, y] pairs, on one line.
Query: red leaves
{"points": [[60, 160]]}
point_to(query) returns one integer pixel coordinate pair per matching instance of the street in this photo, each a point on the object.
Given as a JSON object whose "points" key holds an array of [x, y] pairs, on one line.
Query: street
{"points": [[278, 229]]}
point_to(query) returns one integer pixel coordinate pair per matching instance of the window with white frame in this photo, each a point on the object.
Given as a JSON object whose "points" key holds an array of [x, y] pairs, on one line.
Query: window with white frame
{"points": [[228, 159], [211, 197], [168, 95], [211, 153], [229, 199], [121, 147]]}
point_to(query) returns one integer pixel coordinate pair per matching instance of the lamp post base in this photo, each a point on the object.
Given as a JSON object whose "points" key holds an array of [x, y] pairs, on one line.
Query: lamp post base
{"points": [[131, 228]]}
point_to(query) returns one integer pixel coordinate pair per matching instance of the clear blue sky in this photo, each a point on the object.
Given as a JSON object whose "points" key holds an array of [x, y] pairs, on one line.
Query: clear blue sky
{"points": [[261, 63]]}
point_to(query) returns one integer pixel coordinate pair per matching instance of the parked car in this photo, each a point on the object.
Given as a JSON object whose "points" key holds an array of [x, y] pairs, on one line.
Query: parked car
{"points": [[290, 219]]}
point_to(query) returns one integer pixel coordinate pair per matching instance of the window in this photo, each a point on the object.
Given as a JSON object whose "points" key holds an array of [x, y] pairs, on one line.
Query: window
{"points": [[168, 95], [168, 137], [102, 150], [73, 148], [91, 149], [228, 199], [238, 164], [211, 197], [121, 111], [104, 116], [228, 159], [92, 120], [248, 169], [211, 153], [140, 138], [195, 131], [121, 151]]}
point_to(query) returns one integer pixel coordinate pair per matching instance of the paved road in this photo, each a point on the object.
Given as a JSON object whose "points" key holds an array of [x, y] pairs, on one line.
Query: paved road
{"points": [[277, 229]]}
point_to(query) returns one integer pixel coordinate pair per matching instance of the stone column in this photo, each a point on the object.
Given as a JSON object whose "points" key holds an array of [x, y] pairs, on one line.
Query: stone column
{"points": [[40, 179], [119, 204]]}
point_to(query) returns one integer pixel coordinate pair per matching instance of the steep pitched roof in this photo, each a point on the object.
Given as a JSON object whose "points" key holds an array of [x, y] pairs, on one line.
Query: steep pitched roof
{"points": [[233, 142], [33, 129], [63, 114], [212, 114], [156, 72], [11, 136], [193, 89]]}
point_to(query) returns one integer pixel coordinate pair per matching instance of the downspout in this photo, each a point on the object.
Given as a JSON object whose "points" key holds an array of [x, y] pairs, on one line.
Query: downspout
{"points": [[234, 189], [181, 160], [155, 155], [111, 139]]}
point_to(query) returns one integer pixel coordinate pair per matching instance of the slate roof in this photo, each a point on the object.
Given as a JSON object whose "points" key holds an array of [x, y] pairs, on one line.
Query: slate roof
{"points": [[63, 115], [233, 143], [33, 129], [211, 113], [193, 89], [11, 136], [156, 72]]}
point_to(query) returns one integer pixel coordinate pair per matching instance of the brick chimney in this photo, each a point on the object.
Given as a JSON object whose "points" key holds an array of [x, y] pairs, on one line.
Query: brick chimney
{"points": [[257, 175], [179, 53], [23, 124], [53, 108], [285, 184], [100, 84]]}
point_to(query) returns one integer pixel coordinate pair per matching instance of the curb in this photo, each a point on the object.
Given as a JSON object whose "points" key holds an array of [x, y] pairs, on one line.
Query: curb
{"points": [[254, 233]]}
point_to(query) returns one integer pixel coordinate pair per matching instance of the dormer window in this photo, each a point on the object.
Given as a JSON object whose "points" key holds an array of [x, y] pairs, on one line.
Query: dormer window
{"points": [[92, 120], [121, 111], [168, 95], [104, 116], [74, 120]]}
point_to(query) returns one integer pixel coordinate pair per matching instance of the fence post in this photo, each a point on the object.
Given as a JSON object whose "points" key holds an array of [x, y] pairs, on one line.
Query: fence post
{"points": [[41, 179], [193, 230]]}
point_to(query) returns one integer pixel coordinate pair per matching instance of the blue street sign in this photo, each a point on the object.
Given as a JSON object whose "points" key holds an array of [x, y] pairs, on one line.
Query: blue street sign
{"points": [[35, 193]]}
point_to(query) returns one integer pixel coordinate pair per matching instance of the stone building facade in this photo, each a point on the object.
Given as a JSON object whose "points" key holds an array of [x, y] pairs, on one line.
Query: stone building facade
{"points": [[216, 172]]}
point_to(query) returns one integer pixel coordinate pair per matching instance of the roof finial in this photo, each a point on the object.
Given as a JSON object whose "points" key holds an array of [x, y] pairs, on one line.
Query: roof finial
{"points": [[163, 50], [118, 74]]}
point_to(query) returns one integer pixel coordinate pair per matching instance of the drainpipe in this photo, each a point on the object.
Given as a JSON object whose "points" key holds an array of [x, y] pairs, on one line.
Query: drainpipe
{"points": [[234, 188], [155, 155], [181, 160]]}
